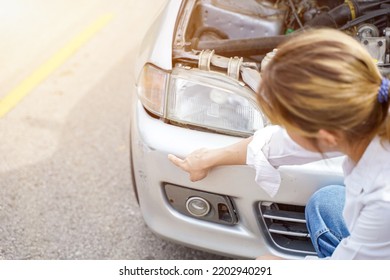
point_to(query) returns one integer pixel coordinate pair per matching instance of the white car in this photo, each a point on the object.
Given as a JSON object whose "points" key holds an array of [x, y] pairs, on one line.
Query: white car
{"points": [[197, 72]]}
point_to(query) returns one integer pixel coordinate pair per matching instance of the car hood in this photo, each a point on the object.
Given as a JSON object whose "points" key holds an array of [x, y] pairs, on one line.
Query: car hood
{"points": [[156, 47]]}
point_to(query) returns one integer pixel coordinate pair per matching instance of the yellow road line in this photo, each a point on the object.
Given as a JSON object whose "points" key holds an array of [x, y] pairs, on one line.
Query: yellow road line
{"points": [[41, 73]]}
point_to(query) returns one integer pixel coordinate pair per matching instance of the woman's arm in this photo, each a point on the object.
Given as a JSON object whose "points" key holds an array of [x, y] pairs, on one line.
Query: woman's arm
{"points": [[199, 162], [268, 149]]}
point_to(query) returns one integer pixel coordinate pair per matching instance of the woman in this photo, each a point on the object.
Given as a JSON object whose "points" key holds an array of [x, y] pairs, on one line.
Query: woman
{"points": [[323, 91]]}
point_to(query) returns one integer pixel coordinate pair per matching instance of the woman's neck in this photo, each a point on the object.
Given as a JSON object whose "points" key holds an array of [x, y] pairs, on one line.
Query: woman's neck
{"points": [[355, 151]]}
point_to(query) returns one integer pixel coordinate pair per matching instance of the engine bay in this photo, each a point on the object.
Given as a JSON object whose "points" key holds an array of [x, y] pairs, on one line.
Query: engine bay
{"points": [[228, 34]]}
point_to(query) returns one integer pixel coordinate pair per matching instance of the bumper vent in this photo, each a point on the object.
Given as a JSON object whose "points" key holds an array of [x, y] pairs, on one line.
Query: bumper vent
{"points": [[286, 227]]}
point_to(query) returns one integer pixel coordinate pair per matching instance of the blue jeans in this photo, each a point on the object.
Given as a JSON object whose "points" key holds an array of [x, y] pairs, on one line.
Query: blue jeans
{"points": [[324, 218]]}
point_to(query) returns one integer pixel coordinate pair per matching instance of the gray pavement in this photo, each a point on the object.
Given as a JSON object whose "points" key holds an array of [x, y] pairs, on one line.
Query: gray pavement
{"points": [[65, 188]]}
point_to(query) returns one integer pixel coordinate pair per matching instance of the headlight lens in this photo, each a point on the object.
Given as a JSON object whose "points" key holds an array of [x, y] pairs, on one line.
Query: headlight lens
{"points": [[212, 101]]}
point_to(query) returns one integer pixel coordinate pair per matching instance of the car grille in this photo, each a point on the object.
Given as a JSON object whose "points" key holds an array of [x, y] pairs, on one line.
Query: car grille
{"points": [[286, 227]]}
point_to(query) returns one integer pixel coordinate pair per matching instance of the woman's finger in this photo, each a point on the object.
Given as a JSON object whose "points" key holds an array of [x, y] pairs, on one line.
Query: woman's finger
{"points": [[176, 161]]}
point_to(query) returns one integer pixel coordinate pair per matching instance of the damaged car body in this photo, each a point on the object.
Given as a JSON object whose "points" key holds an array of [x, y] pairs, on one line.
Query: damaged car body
{"points": [[196, 76]]}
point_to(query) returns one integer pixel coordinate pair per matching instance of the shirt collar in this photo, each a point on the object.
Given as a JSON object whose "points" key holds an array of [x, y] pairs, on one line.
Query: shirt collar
{"points": [[369, 165]]}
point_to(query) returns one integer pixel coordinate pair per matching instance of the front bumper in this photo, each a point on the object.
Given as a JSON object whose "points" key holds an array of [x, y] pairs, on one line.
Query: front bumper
{"points": [[152, 140]]}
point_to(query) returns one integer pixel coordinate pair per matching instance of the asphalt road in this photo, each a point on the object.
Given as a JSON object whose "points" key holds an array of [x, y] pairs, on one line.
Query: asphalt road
{"points": [[65, 80]]}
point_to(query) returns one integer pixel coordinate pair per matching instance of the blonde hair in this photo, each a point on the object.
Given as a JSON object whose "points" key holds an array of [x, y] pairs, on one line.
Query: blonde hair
{"points": [[324, 79]]}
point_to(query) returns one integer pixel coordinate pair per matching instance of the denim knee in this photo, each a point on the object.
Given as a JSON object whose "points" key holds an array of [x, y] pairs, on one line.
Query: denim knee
{"points": [[324, 219]]}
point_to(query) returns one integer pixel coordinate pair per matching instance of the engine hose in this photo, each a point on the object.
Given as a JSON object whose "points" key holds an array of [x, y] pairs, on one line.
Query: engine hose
{"points": [[341, 15], [240, 47], [366, 17], [336, 17]]}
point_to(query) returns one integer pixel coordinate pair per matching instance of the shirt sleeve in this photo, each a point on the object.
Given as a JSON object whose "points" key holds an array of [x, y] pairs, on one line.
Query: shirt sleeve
{"points": [[272, 147]]}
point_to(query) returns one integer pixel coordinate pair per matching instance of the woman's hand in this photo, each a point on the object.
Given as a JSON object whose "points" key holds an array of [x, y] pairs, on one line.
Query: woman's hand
{"points": [[195, 164], [199, 162]]}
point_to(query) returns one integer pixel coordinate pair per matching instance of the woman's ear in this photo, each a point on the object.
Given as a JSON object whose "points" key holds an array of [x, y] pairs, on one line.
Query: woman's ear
{"points": [[328, 139]]}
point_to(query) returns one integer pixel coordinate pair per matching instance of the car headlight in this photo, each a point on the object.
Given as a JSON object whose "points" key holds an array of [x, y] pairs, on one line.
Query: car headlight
{"points": [[213, 101], [202, 99]]}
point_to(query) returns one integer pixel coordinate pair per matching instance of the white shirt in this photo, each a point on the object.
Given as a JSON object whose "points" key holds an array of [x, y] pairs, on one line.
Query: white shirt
{"points": [[367, 206], [272, 147]]}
